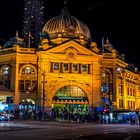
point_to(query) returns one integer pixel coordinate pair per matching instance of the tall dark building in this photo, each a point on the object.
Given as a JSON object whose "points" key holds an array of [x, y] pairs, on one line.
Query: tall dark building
{"points": [[33, 21]]}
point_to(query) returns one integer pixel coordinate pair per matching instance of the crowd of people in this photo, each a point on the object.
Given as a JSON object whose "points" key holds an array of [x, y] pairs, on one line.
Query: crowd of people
{"points": [[73, 116], [54, 115]]}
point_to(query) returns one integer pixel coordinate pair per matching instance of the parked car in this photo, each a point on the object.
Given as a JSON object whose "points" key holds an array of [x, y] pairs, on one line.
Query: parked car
{"points": [[4, 116]]}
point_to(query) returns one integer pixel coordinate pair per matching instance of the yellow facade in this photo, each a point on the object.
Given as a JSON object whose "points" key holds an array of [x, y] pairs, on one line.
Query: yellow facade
{"points": [[94, 75]]}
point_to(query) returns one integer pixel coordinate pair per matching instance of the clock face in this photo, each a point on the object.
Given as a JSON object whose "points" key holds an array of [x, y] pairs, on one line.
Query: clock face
{"points": [[71, 54]]}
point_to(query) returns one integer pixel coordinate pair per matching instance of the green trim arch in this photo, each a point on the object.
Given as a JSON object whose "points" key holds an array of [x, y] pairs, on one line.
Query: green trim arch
{"points": [[62, 84]]}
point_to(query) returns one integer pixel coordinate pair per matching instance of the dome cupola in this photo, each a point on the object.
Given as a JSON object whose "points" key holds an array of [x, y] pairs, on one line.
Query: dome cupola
{"points": [[67, 25]]}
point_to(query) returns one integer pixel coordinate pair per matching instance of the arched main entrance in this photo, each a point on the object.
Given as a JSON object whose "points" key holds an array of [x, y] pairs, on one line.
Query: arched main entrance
{"points": [[70, 100]]}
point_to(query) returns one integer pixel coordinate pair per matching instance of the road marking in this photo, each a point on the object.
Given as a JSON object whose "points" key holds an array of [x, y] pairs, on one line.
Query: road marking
{"points": [[129, 136], [74, 138]]}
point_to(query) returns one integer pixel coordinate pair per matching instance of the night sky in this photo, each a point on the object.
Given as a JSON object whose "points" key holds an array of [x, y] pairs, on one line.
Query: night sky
{"points": [[116, 19]]}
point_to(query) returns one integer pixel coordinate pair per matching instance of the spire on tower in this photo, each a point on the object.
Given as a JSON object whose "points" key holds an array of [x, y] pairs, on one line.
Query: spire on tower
{"points": [[65, 2], [102, 44], [17, 34], [107, 41]]}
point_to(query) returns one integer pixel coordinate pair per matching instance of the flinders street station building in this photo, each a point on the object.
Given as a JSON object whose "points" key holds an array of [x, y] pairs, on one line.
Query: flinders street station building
{"points": [[67, 70]]}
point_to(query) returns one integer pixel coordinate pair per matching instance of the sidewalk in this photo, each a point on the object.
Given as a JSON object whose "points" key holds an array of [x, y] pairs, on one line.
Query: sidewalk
{"points": [[20, 125], [50, 123], [23, 125]]}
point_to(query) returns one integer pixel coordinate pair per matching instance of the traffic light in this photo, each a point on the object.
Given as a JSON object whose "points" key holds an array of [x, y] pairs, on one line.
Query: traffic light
{"points": [[137, 111], [106, 111], [9, 100]]}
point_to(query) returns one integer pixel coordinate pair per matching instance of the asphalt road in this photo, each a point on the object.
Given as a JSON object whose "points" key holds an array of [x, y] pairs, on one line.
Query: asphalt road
{"points": [[35, 130], [112, 136]]}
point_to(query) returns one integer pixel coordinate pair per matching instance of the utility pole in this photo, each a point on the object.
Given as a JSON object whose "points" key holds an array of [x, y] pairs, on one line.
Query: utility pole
{"points": [[43, 97], [36, 98], [69, 111]]}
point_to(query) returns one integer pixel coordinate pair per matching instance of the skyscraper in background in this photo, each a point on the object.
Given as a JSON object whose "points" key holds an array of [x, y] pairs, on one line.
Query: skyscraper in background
{"points": [[33, 21]]}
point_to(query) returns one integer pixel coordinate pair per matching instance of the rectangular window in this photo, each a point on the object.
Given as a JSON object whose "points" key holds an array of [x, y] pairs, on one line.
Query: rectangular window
{"points": [[134, 105], [127, 90], [56, 66], [133, 92], [66, 67], [119, 88], [27, 85], [74, 67], [21, 85], [130, 91], [51, 67], [34, 85], [110, 87], [89, 69], [84, 67], [121, 103], [104, 88], [129, 104]]}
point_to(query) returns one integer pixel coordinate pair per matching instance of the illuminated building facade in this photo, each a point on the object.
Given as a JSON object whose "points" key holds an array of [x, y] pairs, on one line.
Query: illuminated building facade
{"points": [[68, 69]]}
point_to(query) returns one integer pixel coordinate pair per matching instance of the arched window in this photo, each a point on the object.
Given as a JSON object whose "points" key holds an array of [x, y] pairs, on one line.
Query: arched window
{"points": [[5, 77], [28, 70], [28, 83], [70, 93]]}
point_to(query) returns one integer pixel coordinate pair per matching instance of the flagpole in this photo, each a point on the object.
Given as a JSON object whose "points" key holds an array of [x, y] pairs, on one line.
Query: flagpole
{"points": [[17, 34], [103, 44], [29, 40]]}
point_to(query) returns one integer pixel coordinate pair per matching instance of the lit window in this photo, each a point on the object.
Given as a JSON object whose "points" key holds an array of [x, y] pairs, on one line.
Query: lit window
{"points": [[75, 67], [5, 70], [29, 83], [34, 85], [66, 66], [28, 70], [104, 88], [56, 66], [84, 67], [103, 73], [5, 76], [120, 89], [127, 90], [70, 92], [121, 103], [133, 92], [21, 85]]}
